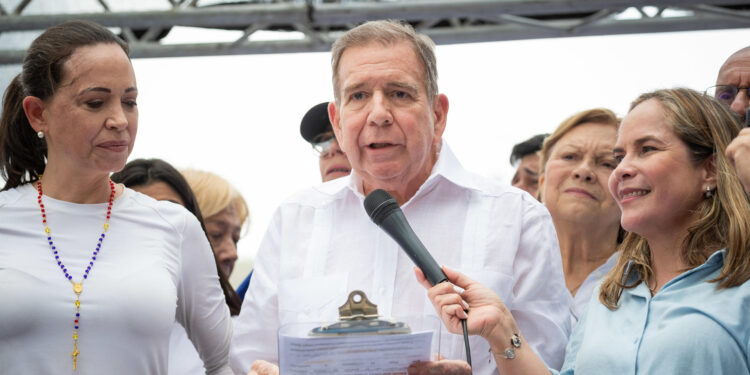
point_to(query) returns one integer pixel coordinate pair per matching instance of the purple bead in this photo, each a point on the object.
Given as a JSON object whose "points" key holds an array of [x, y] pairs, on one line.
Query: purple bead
{"points": [[102, 235], [86, 276], [50, 242], [94, 258], [78, 314], [53, 248], [70, 277], [57, 257], [91, 263], [55, 251], [59, 262], [76, 327], [49, 238]]}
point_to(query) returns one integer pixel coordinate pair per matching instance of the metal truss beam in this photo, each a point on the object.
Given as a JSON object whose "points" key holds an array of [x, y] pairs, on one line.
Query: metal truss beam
{"points": [[313, 25]]}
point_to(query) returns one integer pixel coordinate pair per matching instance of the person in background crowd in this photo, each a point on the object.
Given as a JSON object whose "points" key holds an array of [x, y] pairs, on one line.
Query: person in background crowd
{"points": [[316, 129], [733, 89], [733, 83], [680, 283], [576, 161], [389, 118], [225, 213], [97, 273], [526, 160], [161, 181]]}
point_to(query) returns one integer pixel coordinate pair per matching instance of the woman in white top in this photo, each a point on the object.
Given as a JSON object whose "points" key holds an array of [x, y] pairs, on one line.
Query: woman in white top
{"points": [[93, 274], [575, 163]]}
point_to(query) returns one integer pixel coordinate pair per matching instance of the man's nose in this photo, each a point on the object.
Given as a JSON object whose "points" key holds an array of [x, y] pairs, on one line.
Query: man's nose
{"points": [[740, 103], [380, 111]]}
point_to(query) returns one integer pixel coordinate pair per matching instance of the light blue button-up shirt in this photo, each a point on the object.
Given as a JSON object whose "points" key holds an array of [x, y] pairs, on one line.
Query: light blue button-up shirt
{"points": [[688, 327]]}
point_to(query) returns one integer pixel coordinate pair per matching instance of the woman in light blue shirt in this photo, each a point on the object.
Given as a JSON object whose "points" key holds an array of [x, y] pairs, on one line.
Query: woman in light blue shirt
{"points": [[677, 300]]}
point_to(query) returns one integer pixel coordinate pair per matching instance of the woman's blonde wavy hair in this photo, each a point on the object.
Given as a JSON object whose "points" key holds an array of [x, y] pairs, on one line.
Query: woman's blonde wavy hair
{"points": [[214, 194], [706, 127]]}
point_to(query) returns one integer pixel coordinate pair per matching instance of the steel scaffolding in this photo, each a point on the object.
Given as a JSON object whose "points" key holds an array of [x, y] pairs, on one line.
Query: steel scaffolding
{"points": [[312, 25]]}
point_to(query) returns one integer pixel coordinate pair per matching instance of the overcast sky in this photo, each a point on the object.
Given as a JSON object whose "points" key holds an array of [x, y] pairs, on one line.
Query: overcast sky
{"points": [[239, 116]]}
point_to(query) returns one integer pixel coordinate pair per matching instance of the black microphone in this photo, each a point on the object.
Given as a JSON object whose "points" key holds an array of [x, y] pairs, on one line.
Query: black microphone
{"points": [[384, 211]]}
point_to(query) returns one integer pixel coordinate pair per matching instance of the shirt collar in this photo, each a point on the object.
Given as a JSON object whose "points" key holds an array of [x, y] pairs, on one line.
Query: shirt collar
{"points": [[447, 167], [715, 261]]}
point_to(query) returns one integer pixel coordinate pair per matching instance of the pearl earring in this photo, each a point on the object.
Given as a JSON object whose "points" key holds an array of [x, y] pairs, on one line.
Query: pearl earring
{"points": [[40, 134], [709, 193]]}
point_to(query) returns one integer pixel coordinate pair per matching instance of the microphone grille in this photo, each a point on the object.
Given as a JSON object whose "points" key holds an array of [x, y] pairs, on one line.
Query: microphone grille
{"points": [[379, 204]]}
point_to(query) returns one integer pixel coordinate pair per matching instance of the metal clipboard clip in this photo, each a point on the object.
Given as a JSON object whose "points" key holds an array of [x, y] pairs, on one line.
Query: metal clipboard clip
{"points": [[359, 316]]}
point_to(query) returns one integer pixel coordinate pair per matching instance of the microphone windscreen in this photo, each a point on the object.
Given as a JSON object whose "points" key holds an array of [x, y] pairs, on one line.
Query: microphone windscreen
{"points": [[379, 204]]}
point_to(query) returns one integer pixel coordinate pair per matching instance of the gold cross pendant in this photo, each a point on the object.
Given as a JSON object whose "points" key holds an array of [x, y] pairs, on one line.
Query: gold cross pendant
{"points": [[75, 355]]}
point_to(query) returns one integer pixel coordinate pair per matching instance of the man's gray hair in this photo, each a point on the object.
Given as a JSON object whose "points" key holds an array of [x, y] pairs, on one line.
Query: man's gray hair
{"points": [[387, 33]]}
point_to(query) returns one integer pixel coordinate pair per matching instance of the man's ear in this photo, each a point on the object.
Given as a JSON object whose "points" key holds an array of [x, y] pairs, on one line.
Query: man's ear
{"points": [[333, 116], [440, 111], [34, 109]]}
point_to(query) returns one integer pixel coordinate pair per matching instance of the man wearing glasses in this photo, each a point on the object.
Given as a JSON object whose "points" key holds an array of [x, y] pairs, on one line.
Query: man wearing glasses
{"points": [[316, 129], [733, 83], [733, 88]]}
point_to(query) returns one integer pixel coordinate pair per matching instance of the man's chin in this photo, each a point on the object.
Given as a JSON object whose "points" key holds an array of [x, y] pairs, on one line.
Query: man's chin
{"points": [[336, 174]]}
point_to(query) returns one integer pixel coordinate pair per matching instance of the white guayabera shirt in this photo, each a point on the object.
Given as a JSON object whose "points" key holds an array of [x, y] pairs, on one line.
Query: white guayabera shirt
{"points": [[321, 245]]}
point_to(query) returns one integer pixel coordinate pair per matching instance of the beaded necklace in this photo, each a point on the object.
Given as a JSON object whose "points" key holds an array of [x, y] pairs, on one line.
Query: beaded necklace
{"points": [[77, 286]]}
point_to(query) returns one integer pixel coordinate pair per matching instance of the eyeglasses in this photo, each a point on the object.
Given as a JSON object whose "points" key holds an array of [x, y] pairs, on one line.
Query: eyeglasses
{"points": [[322, 144], [726, 93]]}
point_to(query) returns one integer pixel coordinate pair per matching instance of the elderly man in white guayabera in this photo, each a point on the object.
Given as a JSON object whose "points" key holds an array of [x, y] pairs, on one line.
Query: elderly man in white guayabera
{"points": [[389, 118]]}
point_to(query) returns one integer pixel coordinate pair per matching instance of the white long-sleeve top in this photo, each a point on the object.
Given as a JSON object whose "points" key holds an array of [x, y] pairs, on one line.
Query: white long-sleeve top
{"points": [[321, 245], [155, 266]]}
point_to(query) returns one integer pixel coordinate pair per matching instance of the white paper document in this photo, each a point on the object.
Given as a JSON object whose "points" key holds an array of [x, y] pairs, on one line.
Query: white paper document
{"points": [[353, 355]]}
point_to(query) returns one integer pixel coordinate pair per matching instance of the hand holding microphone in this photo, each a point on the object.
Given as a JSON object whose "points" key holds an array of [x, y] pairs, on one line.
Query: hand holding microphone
{"points": [[385, 212]]}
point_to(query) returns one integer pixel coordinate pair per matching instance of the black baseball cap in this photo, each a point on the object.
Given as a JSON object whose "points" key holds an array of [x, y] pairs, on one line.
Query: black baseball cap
{"points": [[315, 122]]}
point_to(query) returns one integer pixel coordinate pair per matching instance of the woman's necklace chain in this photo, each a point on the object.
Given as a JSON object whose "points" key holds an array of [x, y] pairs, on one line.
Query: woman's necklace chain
{"points": [[77, 286]]}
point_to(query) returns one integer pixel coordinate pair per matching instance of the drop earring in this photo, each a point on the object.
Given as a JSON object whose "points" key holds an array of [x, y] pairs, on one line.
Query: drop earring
{"points": [[708, 193]]}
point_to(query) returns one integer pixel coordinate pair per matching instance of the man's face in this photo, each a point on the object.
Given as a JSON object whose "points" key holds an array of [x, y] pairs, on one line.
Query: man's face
{"points": [[385, 123], [333, 162], [736, 72], [527, 174]]}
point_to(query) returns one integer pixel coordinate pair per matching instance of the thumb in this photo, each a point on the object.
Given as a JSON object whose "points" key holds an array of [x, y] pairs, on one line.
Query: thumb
{"points": [[457, 278], [421, 279]]}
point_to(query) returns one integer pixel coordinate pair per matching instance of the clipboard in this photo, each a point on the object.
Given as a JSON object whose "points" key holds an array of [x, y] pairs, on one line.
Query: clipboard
{"points": [[359, 316], [360, 342]]}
